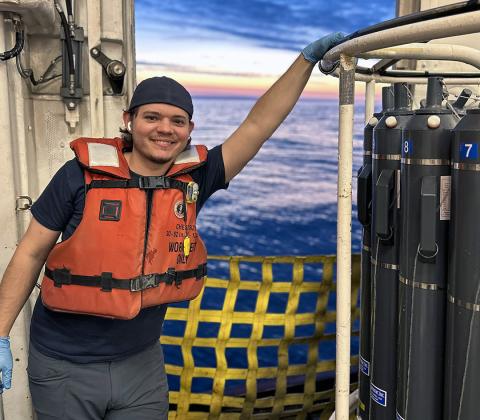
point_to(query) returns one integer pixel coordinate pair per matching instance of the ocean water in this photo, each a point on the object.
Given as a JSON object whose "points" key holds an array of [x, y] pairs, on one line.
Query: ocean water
{"points": [[282, 203]]}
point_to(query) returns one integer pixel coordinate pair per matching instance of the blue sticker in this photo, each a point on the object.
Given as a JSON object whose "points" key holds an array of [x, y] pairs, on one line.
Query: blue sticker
{"points": [[468, 151], [399, 417], [407, 147], [364, 366], [378, 395]]}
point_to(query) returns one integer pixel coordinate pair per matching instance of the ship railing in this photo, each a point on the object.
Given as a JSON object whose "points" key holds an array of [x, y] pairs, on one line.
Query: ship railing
{"points": [[387, 41]]}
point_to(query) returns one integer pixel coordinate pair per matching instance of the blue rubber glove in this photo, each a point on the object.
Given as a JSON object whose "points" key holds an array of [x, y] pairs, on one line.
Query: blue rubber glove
{"points": [[6, 364], [315, 51]]}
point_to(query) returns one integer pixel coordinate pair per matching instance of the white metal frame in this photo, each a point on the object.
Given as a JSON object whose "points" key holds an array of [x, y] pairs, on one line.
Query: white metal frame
{"points": [[384, 44]]}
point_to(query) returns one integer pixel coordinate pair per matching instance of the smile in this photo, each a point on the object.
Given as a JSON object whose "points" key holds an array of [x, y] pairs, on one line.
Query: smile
{"points": [[163, 142]]}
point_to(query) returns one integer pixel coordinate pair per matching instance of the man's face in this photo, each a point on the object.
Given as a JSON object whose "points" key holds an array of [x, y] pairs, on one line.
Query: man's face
{"points": [[160, 132]]}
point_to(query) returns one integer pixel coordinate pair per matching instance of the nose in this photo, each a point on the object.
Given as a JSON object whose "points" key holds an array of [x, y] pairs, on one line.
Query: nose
{"points": [[164, 126]]}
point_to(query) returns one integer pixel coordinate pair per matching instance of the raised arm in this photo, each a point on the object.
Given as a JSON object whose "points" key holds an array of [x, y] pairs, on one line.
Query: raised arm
{"points": [[273, 107]]}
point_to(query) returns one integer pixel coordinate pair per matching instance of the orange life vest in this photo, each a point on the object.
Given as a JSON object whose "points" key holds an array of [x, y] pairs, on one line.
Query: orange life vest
{"points": [[120, 260]]}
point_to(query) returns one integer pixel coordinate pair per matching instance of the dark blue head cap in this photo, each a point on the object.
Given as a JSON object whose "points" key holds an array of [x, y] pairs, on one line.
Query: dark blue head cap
{"points": [[161, 90]]}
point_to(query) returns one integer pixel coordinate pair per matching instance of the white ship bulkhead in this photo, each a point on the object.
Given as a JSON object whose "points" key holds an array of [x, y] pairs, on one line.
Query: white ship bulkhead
{"points": [[36, 126]]}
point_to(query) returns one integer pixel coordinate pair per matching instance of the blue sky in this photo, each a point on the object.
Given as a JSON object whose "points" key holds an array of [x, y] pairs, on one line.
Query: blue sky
{"points": [[202, 41]]}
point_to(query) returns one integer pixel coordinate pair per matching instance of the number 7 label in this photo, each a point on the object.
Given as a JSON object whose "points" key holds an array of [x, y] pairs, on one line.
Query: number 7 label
{"points": [[468, 151]]}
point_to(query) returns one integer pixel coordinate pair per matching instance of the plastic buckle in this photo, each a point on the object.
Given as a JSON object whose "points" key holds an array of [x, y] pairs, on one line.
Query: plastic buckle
{"points": [[62, 276], [152, 182], [171, 277], [106, 282], [201, 272], [146, 281]]}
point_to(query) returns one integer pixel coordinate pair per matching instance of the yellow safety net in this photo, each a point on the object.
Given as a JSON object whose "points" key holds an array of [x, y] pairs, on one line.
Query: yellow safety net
{"points": [[271, 383]]}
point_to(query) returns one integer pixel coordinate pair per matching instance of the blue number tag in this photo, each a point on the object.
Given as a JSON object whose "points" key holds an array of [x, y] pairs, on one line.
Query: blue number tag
{"points": [[364, 366], [407, 147], [468, 151], [378, 395]]}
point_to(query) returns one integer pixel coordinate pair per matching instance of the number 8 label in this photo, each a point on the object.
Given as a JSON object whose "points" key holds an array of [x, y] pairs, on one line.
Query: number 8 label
{"points": [[407, 147]]}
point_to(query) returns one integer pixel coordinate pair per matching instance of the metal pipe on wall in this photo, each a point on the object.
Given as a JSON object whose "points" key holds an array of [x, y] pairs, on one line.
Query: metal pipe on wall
{"points": [[97, 122]]}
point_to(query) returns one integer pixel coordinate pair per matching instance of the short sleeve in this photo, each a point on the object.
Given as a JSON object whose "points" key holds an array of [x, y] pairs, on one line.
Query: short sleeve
{"points": [[59, 202], [211, 176]]}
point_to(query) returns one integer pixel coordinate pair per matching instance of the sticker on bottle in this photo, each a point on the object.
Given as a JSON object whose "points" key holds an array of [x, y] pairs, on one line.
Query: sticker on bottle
{"points": [[445, 188], [364, 366], [399, 417], [378, 395], [468, 151]]}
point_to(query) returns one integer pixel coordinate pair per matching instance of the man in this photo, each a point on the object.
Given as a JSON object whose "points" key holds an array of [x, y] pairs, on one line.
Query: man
{"points": [[95, 351]]}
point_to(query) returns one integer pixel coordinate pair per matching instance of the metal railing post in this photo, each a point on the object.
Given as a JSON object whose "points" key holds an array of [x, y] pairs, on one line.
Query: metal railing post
{"points": [[369, 100], [344, 234]]}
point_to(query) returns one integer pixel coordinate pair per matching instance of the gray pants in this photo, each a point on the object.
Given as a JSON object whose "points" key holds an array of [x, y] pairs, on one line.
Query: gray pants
{"points": [[132, 388]]}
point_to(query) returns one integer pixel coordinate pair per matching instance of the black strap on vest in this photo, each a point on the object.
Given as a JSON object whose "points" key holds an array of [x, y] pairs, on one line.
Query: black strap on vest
{"points": [[106, 282], [143, 183]]}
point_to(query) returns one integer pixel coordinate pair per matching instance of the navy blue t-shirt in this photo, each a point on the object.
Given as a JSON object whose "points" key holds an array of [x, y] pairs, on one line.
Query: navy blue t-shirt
{"points": [[84, 338]]}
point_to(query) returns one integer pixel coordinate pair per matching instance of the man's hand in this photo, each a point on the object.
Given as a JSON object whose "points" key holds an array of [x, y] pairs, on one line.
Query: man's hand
{"points": [[315, 51], [6, 364]]}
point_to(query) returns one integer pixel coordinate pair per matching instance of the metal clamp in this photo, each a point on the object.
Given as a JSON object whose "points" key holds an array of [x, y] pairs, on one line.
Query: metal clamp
{"points": [[25, 206], [114, 69]]}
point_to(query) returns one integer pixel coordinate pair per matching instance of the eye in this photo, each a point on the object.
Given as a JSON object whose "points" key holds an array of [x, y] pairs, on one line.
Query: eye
{"points": [[179, 122], [150, 117]]}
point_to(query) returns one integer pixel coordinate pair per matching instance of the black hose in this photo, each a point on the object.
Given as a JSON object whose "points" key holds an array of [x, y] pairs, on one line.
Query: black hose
{"points": [[68, 39], [68, 3], [415, 74], [438, 12], [18, 47]]}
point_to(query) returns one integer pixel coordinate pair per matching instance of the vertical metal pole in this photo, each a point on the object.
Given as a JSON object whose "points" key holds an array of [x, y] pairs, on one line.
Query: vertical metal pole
{"points": [[344, 234], [369, 100], [94, 25]]}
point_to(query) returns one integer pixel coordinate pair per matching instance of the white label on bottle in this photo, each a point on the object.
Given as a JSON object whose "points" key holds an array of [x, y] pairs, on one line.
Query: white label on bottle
{"points": [[445, 184]]}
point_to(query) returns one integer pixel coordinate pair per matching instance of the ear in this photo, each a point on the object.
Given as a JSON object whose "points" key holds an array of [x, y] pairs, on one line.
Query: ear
{"points": [[126, 119], [191, 125]]}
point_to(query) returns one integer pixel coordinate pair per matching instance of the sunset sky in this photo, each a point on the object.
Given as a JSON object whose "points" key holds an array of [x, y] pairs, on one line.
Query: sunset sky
{"points": [[240, 47]]}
